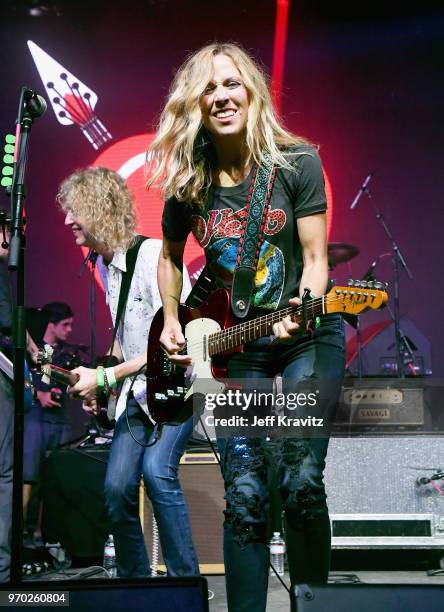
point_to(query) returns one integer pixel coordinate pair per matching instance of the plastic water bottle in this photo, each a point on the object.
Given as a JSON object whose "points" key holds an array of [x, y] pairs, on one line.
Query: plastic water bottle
{"points": [[277, 553], [109, 557]]}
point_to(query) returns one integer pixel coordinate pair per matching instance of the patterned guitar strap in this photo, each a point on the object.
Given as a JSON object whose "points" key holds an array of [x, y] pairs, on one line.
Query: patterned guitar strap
{"points": [[252, 236]]}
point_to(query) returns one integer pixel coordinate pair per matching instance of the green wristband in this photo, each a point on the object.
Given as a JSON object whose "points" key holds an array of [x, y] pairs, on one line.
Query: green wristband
{"points": [[110, 375], [100, 378]]}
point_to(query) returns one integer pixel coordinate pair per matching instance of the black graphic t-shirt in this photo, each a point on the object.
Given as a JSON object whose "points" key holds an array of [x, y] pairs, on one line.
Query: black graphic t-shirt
{"points": [[296, 193]]}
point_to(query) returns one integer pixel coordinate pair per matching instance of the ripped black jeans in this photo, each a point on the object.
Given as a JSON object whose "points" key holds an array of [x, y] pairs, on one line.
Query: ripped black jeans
{"points": [[297, 462]]}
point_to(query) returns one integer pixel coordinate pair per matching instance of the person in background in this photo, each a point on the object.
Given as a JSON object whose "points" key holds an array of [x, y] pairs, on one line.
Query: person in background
{"points": [[46, 422]]}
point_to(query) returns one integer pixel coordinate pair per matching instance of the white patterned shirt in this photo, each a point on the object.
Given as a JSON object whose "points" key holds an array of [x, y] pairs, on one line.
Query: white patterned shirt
{"points": [[142, 304]]}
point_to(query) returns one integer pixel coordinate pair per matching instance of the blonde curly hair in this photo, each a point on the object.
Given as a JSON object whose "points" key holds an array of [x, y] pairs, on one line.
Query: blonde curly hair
{"points": [[101, 199], [182, 156]]}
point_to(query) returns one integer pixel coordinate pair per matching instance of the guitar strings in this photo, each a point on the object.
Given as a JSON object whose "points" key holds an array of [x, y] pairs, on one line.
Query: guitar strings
{"points": [[271, 318], [276, 316]]}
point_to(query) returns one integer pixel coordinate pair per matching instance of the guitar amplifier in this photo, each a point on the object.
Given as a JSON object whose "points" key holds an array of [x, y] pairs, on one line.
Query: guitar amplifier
{"points": [[385, 492], [382, 405], [203, 488]]}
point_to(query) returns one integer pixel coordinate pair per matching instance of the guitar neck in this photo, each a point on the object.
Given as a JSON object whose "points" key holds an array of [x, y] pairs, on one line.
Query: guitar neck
{"points": [[356, 298], [60, 375], [233, 337]]}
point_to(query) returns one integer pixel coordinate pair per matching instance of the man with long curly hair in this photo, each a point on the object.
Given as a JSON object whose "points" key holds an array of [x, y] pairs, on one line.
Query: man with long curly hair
{"points": [[99, 210], [217, 127]]}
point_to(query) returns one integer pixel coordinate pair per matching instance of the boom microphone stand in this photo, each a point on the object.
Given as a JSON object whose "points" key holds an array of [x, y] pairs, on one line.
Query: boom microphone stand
{"points": [[31, 106], [94, 427], [397, 260], [92, 259]]}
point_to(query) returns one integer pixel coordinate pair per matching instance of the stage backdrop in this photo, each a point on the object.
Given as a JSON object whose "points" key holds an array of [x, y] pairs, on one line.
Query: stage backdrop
{"points": [[366, 87]]}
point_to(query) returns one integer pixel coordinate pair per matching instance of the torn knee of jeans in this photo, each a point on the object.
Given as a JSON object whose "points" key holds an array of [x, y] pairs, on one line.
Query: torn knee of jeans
{"points": [[243, 458], [253, 465], [293, 453], [246, 517], [306, 502]]}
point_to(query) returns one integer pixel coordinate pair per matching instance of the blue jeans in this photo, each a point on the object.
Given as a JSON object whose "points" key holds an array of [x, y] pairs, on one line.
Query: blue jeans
{"points": [[40, 436], [159, 466], [297, 464]]}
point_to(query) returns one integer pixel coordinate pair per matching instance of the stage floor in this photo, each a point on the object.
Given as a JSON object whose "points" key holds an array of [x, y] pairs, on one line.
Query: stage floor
{"points": [[278, 598]]}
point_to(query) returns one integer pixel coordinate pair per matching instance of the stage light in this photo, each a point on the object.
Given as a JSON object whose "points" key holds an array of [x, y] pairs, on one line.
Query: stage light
{"points": [[35, 8]]}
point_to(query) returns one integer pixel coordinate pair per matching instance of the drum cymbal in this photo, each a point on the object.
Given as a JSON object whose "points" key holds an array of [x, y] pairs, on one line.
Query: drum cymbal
{"points": [[340, 252]]}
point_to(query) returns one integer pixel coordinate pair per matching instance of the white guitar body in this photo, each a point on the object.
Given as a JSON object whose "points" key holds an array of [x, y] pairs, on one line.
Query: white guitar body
{"points": [[199, 377]]}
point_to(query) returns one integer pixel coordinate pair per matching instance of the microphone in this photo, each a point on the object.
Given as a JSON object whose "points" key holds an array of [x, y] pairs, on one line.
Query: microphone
{"points": [[422, 480], [92, 257], [361, 190], [369, 274], [35, 105]]}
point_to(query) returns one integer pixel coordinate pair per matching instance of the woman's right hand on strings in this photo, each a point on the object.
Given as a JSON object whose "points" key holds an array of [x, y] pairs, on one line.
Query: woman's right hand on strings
{"points": [[172, 342]]}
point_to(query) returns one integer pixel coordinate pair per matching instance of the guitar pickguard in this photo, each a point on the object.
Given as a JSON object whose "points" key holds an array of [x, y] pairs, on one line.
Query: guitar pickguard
{"points": [[199, 375]]}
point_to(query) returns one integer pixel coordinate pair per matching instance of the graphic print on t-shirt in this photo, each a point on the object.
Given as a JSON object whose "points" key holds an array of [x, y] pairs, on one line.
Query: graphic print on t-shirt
{"points": [[219, 232]]}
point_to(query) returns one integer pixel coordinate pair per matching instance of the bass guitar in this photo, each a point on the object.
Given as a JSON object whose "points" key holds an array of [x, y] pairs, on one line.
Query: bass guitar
{"points": [[212, 333]]}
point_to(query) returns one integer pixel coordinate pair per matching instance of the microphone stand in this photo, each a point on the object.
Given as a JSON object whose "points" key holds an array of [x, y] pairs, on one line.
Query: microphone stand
{"points": [[94, 427], [397, 259], [16, 263], [92, 258], [363, 189], [92, 307], [359, 347]]}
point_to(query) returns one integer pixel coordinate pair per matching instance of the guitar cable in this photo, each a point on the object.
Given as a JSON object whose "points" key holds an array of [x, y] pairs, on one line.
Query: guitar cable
{"points": [[157, 438], [215, 453], [210, 442], [158, 427]]}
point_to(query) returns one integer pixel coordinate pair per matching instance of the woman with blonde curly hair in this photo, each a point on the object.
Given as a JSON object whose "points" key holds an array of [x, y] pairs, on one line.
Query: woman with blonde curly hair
{"points": [[217, 129], [99, 210]]}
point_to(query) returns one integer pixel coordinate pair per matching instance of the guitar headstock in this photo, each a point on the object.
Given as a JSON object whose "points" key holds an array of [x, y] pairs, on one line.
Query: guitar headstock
{"points": [[49, 371], [44, 360], [357, 297]]}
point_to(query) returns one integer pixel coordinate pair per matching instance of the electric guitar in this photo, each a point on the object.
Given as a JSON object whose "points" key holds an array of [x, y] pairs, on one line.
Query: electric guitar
{"points": [[7, 367], [49, 371], [212, 333]]}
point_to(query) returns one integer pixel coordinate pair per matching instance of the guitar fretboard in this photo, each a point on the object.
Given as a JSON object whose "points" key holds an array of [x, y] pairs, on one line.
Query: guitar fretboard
{"points": [[233, 337], [60, 375]]}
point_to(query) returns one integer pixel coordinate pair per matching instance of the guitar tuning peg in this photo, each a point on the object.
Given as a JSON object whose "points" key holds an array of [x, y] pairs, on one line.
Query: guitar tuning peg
{"points": [[370, 284], [378, 285], [364, 284], [350, 282], [386, 285], [357, 283]]}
